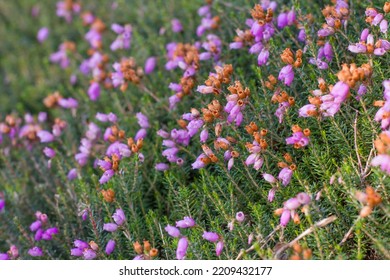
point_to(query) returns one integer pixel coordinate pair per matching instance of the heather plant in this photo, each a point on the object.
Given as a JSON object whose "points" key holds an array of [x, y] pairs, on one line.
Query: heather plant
{"points": [[149, 130]]}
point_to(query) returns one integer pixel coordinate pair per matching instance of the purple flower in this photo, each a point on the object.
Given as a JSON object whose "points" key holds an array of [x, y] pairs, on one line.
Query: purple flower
{"points": [[80, 244], [383, 26], [298, 138], [72, 174], [285, 217], [68, 103], [182, 246], [328, 51], [4, 257], [219, 248], [285, 176], [141, 134], [269, 178], [271, 194], [35, 252], [119, 217], [2, 204], [42, 35], [303, 198], [383, 161], [77, 252], [282, 20], [50, 153], [286, 75], [45, 136], [210, 236], [185, 223], [364, 34], [161, 166], [35, 226], [111, 227], [123, 40], [292, 204], [150, 64], [94, 91], [172, 231], [240, 217], [204, 135], [263, 57], [302, 35], [307, 110], [110, 247], [142, 120], [89, 254], [106, 176], [176, 25]]}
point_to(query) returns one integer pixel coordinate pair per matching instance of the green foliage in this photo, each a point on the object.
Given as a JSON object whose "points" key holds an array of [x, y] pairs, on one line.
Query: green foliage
{"points": [[340, 147]]}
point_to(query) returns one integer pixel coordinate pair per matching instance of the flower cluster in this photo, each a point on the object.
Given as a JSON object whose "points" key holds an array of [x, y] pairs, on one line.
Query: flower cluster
{"points": [[145, 252], [61, 56], [42, 232], [259, 33], [335, 16], [127, 72], [123, 40], [300, 138], [87, 250], [67, 8], [288, 211], [119, 218], [11, 254], [373, 17], [370, 198], [182, 245], [300, 253]]}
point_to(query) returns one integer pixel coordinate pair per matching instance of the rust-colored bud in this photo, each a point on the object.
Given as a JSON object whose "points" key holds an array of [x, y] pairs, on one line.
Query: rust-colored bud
{"points": [[138, 247], [108, 195]]}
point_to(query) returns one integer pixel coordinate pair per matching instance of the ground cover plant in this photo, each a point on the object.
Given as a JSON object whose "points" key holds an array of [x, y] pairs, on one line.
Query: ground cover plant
{"points": [[194, 129]]}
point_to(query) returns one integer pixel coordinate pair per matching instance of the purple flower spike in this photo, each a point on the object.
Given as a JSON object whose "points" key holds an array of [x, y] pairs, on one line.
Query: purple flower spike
{"points": [[35, 252], [210, 236], [182, 246], [172, 231], [119, 217], [110, 247], [185, 223], [110, 227], [219, 248], [72, 174]]}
